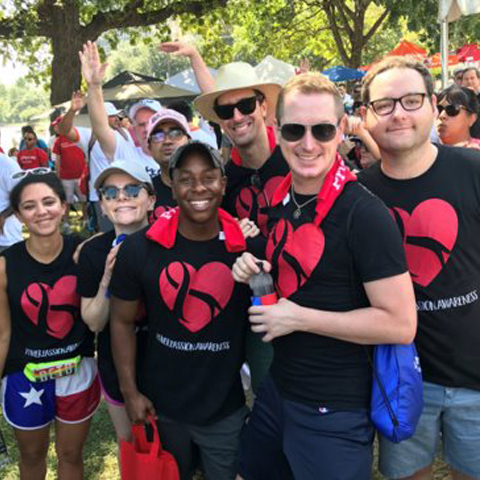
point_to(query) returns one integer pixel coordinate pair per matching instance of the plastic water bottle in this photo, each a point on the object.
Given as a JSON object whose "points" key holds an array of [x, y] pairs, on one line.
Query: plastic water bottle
{"points": [[262, 286], [4, 458]]}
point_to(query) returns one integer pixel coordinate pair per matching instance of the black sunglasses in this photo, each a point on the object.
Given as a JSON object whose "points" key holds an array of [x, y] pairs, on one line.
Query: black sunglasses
{"points": [[245, 106], [451, 110], [323, 132], [110, 192]]}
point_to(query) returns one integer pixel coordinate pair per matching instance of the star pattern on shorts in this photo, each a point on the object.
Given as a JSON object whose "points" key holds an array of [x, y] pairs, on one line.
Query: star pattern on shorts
{"points": [[32, 397]]}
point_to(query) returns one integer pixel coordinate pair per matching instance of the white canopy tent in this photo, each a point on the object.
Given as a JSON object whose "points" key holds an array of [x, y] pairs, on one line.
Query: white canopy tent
{"points": [[270, 69], [186, 80], [449, 11]]}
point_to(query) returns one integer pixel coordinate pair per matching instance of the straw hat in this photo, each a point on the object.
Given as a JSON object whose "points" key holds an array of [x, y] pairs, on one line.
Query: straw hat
{"points": [[236, 76]]}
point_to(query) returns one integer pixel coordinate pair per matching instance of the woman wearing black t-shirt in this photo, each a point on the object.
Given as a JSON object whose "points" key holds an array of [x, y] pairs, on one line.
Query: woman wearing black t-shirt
{"points": [[126, 195], [47, 361]]}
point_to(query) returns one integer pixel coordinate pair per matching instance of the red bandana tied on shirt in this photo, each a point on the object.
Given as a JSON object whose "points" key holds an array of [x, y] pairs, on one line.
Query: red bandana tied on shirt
{"points": [[272, 143], [164, 230], [335, 180]]}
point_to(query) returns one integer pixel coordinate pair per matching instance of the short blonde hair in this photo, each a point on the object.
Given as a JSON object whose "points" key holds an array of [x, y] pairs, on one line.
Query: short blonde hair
{"points": [[389, 63], [310, 83]]}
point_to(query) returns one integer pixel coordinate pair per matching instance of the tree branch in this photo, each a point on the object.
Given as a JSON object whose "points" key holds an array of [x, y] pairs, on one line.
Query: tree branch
{"points": [[376, 25], [131, 17], [330, 11]]}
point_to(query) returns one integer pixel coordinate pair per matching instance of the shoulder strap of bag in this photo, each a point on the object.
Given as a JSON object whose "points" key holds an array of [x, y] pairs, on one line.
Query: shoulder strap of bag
{"points": [[367, 348]]}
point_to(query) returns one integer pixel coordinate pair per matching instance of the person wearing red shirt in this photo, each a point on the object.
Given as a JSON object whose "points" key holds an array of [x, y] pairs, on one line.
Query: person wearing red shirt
{"points": [[69, 164], [31, 156]]}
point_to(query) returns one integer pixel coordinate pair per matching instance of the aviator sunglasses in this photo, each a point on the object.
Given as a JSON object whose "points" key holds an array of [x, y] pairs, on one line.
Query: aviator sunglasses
{"points": [[160, 135], [451, 110], [323, 132], [245, 106], [110, 192]]}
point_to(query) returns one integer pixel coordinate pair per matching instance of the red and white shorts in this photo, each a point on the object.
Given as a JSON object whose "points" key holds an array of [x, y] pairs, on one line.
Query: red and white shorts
{"points": [[72, 399]]}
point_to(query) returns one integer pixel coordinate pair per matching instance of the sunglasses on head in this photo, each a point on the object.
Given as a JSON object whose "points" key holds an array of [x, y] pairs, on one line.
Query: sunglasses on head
{"points": [[451, 110], [245, 106], [160, 135], [323, 132], [110, 192], [31, 171]]}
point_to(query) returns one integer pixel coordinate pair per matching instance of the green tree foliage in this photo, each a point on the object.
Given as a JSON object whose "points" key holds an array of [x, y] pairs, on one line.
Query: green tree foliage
{"points": [[21, 101], [26, 25], [145, 59], [326, 31]]}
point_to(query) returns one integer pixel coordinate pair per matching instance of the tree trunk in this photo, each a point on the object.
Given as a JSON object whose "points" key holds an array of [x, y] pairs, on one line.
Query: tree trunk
{"points": [[66, 36]]}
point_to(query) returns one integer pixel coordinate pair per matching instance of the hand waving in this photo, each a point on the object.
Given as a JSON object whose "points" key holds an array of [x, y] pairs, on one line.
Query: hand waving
{"points": [[93, 70]]}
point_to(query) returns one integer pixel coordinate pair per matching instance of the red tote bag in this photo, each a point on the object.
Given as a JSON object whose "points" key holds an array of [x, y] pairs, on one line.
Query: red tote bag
{"points": [[143, 460]]}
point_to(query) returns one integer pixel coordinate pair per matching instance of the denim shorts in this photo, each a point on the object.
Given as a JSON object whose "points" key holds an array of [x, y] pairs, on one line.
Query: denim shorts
{"points": [[284, 440], [451, 415]]}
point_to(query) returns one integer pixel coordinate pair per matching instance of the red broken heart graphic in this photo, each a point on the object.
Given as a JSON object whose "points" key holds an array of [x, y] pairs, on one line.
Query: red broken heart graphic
{"points": [[196, 297], [53, 310], [295, 253], [429, 236], [250, 200]]}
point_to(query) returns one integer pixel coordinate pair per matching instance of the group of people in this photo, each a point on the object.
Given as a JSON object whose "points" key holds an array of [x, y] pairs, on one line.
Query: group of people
{"points": [[385, 255]]}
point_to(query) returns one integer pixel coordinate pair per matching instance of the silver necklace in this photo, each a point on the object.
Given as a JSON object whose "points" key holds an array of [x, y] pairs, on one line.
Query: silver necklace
{"points": [[298, 211]]}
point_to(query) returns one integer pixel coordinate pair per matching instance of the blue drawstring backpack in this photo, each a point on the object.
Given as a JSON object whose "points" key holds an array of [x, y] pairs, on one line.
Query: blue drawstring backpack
{"points": [[397, 385], [397, 391]]}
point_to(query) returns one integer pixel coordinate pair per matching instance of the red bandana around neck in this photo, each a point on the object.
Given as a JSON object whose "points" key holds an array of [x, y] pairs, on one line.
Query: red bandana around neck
{"points": [[335, 180], [272, 142], [164, 230]]}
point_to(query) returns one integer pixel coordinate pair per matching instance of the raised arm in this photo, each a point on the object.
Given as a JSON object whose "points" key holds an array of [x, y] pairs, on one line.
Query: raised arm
{"points": [[95, 310], [204, 78], [65, 127], [93, 72]]}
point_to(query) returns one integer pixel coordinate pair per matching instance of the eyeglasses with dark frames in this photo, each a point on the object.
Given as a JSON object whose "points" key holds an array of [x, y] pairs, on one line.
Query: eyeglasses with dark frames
{"points": [[322, 132], [409, 102], [452, 110], [245, 106]]}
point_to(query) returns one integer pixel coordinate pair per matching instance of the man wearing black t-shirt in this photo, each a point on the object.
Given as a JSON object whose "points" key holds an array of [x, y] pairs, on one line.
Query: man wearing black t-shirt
{"points": [[433, 194], [241, 104], [167, 131], [336, 257], [197, 318]]}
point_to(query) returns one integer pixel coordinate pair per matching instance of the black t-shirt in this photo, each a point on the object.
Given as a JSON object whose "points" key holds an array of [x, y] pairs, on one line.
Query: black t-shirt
{"points": [[44, 308], [91, 267], [324, 268], [438, 214], [197, 318], [249, 191], [164, 199]]}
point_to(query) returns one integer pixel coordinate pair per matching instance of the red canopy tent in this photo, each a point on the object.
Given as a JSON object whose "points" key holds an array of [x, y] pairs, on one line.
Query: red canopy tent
{"points": [[469, 53], [403, 48], [408, 48], [436, 60]]}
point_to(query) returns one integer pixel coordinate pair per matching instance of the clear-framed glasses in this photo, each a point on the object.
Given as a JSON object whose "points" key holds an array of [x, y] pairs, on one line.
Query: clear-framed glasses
{"points": [[409, 102], [32, 171]]}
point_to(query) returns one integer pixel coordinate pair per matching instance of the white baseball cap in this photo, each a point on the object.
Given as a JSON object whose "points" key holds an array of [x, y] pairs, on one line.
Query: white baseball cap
{"points": [[111, 109], [130, 167], [152, 105]]}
